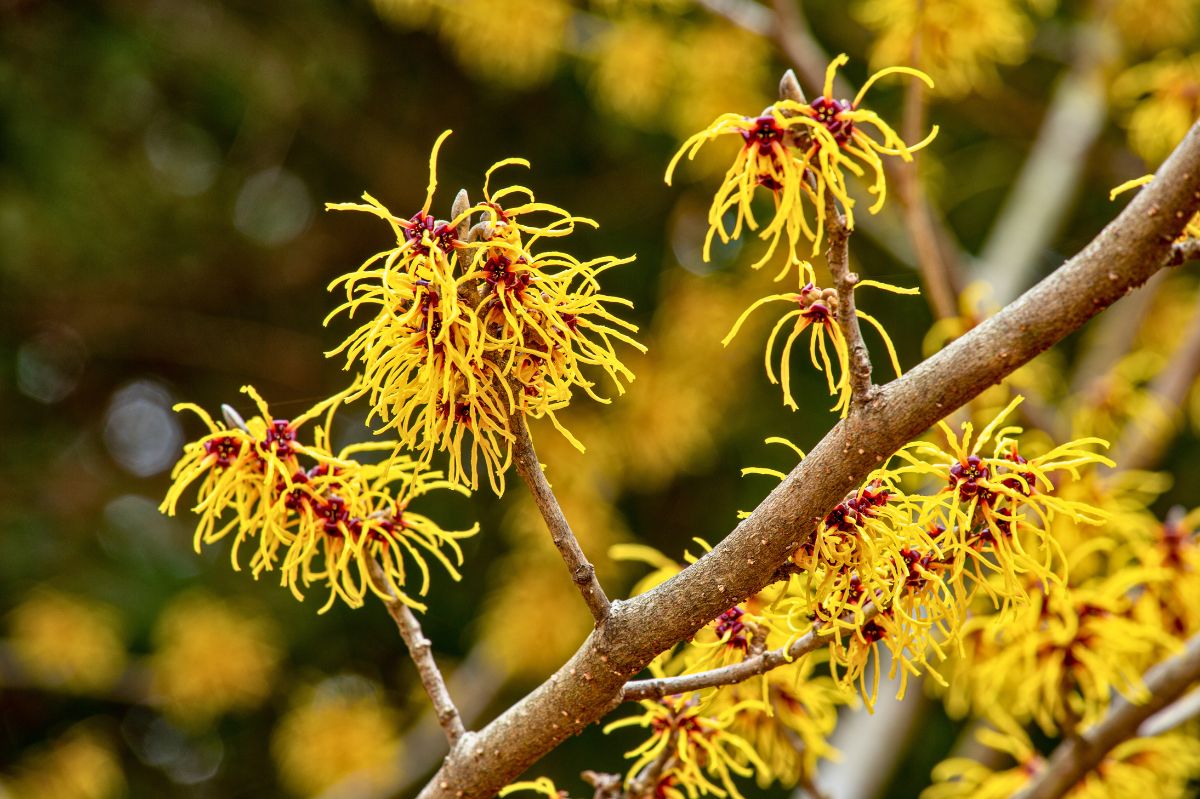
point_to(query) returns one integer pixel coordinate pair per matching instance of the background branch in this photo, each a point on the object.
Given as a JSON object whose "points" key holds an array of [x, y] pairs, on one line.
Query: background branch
{"points": [[1074, 758], [1035, 208], [1131, 248]]}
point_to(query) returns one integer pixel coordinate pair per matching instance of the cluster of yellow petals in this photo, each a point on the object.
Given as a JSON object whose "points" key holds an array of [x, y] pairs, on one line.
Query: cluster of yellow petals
{"points": [[473, 320], [703, 754], [801, 152], [798, 701], [1161, 766], [817, 312], [960, 41], [313, 515]]}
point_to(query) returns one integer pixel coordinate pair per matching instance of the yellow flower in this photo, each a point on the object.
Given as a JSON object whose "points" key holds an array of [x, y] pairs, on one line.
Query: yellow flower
{"points": [[68, 643], [81, 764], [800, 152], [959, 41], [1154, 25], [995, 510], [1165, 98], [339, 730], [717, 66], [703, 754], [514, 43], [1057, 661], [313, 515], [1162, 766], [635, 46], [801, 707], [817, 313], [472, 323], [212, 659]]}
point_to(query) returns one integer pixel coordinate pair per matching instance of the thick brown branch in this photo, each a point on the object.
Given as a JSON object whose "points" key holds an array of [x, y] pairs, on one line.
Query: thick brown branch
{"points": [[1074, 758], [844, 281], [734, 672], [582, 572], [1130, 249], [420, 649]]}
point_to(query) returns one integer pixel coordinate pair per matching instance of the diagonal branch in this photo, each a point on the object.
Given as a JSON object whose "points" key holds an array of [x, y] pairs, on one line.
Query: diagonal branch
{"points": [[844, 281], [419, 647], [1074, 758], [582, 572], [1128, 251], [734, 672]]}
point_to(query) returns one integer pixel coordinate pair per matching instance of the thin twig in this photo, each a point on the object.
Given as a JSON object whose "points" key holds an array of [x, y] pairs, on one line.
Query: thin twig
{"points": [[420, 649], [734, 672], [1073, 759], [844, 281], [582, 572]]}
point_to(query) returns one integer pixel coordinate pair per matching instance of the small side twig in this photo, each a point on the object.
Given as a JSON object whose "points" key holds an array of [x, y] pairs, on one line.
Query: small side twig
{"points": [[582, 572], [1074, 758], [420, 649], [845, 281], [735, 672]]}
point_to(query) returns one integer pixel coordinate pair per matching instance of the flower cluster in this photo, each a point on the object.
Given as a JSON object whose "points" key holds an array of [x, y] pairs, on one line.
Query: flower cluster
{"points": [[697, 749], [1162, 766], [817, 312], [800, 152], [474, 319], [310, 514]]}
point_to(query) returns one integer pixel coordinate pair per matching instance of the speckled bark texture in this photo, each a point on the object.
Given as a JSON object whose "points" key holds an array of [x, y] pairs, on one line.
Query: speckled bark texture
{"points": [[1120, 258]]}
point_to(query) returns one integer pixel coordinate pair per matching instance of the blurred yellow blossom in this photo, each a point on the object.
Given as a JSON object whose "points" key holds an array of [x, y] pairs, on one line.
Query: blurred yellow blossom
{"points": [[212, 658], [1153, 25], [634, 47], [80, 764], [958, 42], [342, 728], [1164, 98], [718, 67], [67, 642], [513, 43]]}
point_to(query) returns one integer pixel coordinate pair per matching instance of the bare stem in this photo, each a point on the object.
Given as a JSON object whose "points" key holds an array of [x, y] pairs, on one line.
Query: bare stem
{"points": [[734, 672], [582, 572], [420, 649], [1074, 758], [844, 281]]}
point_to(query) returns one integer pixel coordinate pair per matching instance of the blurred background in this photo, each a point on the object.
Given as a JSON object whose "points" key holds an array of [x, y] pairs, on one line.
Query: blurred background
{"points": [[163, 172]]}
